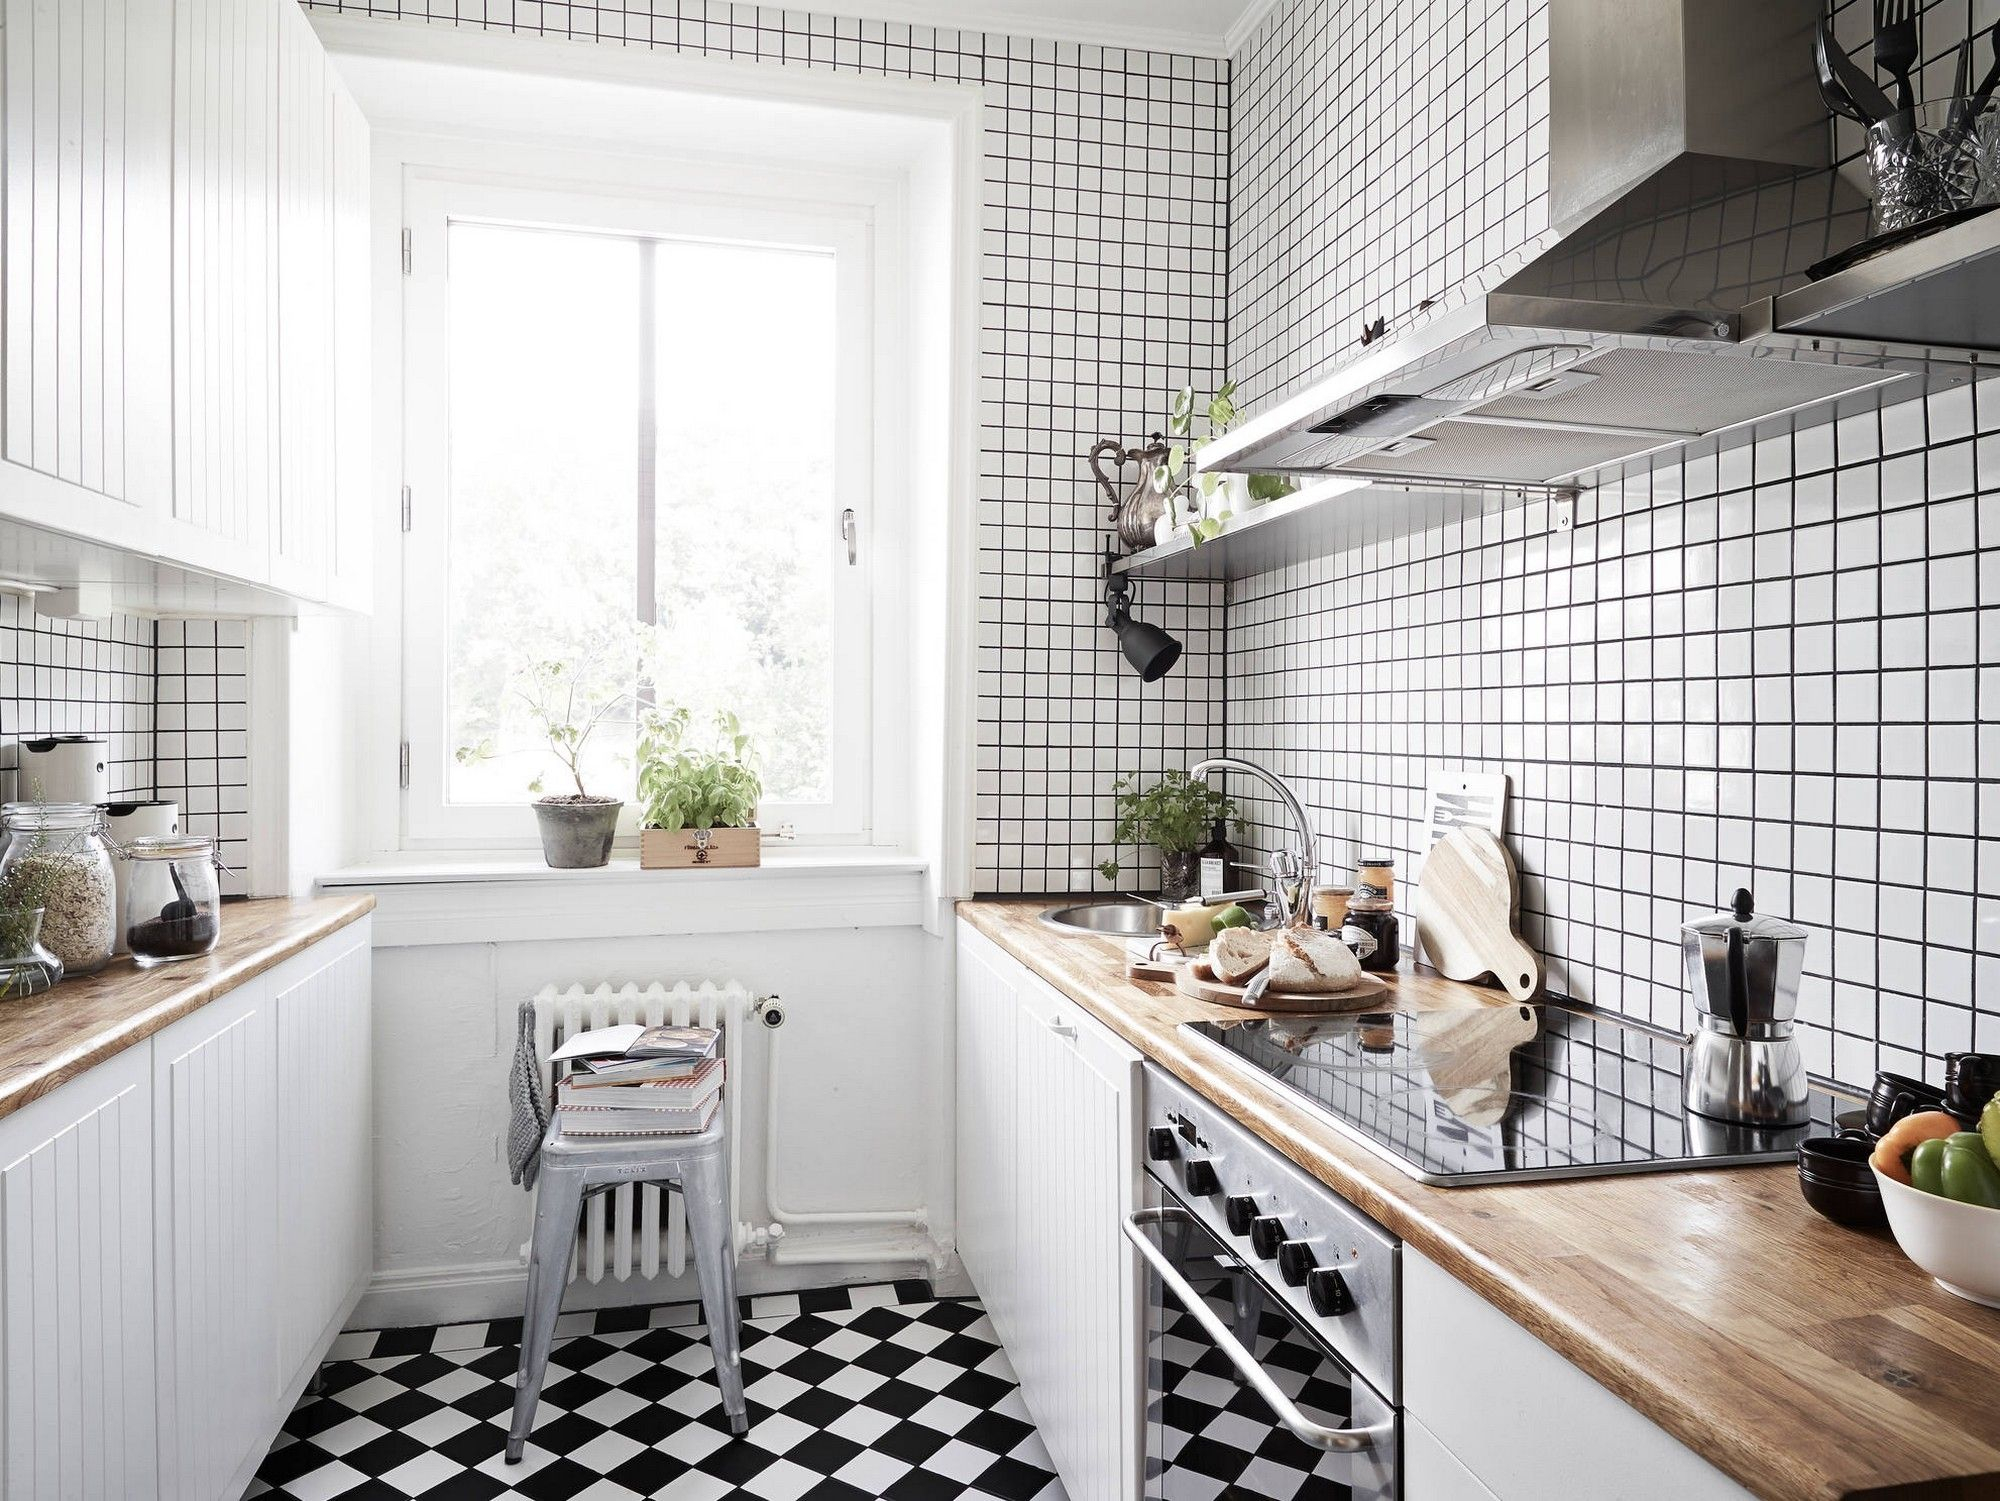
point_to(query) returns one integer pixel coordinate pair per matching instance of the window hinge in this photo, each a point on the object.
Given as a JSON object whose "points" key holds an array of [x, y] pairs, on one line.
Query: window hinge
{"points": [[403, 764], [406, 252], [406, 508], [849, 531]]}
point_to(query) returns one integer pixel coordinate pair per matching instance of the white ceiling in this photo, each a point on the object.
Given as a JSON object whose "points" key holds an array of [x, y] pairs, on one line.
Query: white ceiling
{"points": [[1204, 27]]}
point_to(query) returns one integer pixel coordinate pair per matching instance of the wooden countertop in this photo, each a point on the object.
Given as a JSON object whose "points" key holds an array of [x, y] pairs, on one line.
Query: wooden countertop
{"points": [[1806, 1360], [53, 1037]]}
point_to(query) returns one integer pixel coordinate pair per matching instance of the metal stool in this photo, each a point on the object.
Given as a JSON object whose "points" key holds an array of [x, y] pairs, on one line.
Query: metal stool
{"points": [[574, 1166]]}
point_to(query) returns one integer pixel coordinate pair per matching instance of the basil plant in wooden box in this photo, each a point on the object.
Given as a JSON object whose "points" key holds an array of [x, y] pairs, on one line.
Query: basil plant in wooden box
{"points": [[699, 792]]}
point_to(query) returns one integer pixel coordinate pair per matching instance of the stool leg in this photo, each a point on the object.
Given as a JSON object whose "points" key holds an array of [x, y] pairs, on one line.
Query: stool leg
{"points": [[558, 1200], [705, 1196]]}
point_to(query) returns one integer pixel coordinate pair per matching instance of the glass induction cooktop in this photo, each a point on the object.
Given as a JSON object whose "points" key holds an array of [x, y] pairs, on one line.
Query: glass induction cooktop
{"points": [[1503, 1094]]}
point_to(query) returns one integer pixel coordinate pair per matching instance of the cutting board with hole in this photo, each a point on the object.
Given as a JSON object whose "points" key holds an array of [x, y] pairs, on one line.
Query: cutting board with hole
{"points": [[1465, 913], [1360, 997]]}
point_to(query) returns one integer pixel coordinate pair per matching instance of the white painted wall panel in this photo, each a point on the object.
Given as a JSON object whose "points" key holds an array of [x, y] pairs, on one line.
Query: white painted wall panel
{"points": [[76, 1289], [985, 1074], [87, 162]]}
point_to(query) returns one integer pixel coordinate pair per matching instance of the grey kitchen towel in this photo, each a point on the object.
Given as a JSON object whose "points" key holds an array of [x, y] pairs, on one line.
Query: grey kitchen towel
{"points": [[530, 1111]]}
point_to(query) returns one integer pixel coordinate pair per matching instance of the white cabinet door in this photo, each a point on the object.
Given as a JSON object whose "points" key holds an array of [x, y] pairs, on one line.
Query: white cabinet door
{"points": [[76, 1289], [227, 60], [1078, 1341], [88, 97], [985, 1107], [351, 561], [325, 1214], [215, 1211]]}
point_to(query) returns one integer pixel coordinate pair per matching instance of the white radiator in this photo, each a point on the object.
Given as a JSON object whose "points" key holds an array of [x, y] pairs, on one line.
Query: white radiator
{"points": [[636, 1228]]}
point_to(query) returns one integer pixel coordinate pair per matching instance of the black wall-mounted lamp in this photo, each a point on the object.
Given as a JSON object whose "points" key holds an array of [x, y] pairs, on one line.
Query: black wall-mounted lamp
{"points": [[1150, 650]]}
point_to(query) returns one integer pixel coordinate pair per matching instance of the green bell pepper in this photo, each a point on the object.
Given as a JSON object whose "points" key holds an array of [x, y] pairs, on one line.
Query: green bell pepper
{"points": [[1966, 1173], [1927, 1166]]}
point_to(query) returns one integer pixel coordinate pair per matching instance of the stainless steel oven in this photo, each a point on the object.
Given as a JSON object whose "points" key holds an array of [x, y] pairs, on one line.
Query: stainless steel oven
{"points": [[1271, 1353]]}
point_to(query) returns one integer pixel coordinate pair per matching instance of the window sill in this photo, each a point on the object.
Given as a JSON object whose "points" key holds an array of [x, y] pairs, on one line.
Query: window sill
{"points": [[507, 897]]}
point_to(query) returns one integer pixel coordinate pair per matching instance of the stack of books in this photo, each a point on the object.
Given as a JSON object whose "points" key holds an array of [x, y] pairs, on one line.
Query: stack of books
{"points": [[639, 1081]]}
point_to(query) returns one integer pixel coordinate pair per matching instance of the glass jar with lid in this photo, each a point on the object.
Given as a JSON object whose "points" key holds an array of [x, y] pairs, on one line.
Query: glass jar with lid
{"points": [[57, 859], [173, 905]]}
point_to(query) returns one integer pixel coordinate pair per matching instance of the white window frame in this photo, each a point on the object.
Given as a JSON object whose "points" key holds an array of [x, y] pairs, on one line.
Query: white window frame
{"points": [[433, 198]]}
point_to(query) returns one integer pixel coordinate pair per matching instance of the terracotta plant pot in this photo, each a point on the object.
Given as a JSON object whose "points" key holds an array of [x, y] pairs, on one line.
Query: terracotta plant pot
{"points": [[577, 832]]}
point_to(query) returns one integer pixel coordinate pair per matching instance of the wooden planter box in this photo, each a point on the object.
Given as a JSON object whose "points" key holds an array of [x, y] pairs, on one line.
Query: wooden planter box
{"points": [[689, 849]]}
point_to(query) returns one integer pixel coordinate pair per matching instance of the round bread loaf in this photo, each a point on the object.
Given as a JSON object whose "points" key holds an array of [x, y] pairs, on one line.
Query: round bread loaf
{"points": [[1238, 953], [1308, 963]]}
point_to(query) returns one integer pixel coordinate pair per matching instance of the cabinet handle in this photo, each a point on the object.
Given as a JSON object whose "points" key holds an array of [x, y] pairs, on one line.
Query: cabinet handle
{"points": [[1338, 1440], [1055, 1025]]}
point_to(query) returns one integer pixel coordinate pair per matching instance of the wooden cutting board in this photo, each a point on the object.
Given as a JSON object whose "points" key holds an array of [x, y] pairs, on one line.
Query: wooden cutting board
{"points": [[1465, 913], [1364, 991]]}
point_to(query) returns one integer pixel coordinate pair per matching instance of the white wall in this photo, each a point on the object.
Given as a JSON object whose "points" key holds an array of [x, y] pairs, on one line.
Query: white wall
{"points": [[865, 1119]]}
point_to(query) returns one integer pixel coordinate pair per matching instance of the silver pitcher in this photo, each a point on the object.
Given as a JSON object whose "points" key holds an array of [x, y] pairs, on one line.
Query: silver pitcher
{"points": [[1135, 510], [1743, 970]]}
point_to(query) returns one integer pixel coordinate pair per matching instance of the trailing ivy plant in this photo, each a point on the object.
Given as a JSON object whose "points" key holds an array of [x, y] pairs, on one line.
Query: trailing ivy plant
{"points": [[1172, 478], [688, 784], [1173, 815]]}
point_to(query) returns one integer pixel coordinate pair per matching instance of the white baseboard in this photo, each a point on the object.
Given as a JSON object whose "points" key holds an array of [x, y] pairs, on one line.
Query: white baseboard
{"points": [[479, 1291]]}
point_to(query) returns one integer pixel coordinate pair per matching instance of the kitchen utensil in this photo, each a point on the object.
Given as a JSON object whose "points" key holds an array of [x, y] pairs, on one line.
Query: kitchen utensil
{"points": [[1894, 1096], [1134, 510], [1743, 970], [1896, 46], [1966, 118], [1830, 89], [1970, 1080], [1862, 91], [1366, 991], [1835, 1179], [1465, 913], [64, 769], [1961, 71], [1958, 1244]]}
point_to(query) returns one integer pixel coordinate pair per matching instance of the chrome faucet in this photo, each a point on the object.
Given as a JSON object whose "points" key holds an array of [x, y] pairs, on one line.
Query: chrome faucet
{"points": [[1308, 861]]}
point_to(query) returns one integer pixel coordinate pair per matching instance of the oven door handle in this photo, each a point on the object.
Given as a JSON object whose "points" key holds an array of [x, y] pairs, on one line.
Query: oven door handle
{"points": [[1337, 1440]]}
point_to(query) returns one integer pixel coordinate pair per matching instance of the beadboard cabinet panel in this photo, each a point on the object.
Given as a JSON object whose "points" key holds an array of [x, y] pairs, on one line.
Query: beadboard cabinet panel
{"points": [[215, 1197], [350, 565], [88, 88], [301, 539], [325, 1218], [1048, 1153], [76, 1289]]}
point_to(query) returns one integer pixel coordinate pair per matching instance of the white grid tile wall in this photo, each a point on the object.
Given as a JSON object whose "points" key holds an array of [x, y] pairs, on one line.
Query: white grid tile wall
{"points": [[1774, 669], [1102, 289], [170, 697]]}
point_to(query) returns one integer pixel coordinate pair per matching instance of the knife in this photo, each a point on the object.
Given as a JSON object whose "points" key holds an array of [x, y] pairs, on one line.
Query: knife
{"points": [[1861, 90]]}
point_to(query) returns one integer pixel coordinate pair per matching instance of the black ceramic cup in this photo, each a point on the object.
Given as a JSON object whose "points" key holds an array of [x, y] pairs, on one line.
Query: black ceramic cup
{"points": [[1970, 1080], [1897, 1095], [1834, 1178]]}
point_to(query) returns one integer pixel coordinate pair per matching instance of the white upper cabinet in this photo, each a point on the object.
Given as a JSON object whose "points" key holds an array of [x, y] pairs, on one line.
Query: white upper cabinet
{"points": [[186, 288], [87, 154]]}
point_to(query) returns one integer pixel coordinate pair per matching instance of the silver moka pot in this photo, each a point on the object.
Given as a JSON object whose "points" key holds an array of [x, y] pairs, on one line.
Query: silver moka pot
{"points": [[1743, 970]]}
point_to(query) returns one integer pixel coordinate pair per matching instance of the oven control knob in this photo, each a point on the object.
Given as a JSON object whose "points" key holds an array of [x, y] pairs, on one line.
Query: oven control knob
{"points": [[1240, 1211], [1267, 1232], [1329, 1294], [1199, 1175], [1295, 1259], [1160, 1144]]}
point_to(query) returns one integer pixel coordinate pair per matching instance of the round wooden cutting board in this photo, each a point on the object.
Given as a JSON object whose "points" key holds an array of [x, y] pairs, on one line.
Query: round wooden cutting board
{"points": [[1465, 913], [1365, 990]]}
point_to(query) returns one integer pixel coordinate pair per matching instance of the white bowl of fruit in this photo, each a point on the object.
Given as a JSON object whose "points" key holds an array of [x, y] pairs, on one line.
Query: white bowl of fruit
{"points": [[1941, 1189]]}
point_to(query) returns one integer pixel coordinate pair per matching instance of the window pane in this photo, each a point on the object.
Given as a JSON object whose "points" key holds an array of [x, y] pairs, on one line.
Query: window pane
{"points": [[748, 535], [544, 418]]}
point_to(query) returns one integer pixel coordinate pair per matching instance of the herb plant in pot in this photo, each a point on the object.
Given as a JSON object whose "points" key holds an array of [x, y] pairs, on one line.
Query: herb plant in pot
{"points": [[699, 794], [1174, 815]]}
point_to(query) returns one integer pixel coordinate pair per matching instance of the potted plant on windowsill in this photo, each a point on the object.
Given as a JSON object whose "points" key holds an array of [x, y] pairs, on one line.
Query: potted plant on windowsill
{"points": [[700, 800], [1174, 815], [569, 701]]}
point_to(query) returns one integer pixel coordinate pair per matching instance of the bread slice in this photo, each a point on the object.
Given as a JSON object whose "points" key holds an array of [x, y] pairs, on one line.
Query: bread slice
{"points": [[1238, 953], [1308, 963]]}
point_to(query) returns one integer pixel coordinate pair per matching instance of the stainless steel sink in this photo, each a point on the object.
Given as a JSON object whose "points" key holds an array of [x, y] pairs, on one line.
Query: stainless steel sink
{"points": [[1106, 919]]}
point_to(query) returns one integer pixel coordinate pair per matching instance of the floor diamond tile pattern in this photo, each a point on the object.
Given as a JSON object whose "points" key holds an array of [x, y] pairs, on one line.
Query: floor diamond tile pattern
{"points": [[856, 1394]]}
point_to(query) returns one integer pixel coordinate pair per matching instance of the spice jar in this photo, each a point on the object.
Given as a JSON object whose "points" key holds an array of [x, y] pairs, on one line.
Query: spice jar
{"points": [[1373, 910], [1375, 879], [172, 901], [56, 859]]}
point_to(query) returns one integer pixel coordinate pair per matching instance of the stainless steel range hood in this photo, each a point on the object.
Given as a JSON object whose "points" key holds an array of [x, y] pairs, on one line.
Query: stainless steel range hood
{"points": [[1690, 188]]}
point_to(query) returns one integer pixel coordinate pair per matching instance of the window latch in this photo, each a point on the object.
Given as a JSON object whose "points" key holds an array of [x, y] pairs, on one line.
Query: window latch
{"points": [[849, 530]]}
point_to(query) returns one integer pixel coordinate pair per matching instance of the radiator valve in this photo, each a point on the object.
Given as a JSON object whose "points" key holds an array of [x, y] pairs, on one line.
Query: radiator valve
{"points": [[770, 1010]]}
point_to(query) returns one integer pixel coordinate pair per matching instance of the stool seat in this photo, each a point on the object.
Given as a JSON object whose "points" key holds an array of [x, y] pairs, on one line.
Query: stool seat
{"points": [[573, 1166]]}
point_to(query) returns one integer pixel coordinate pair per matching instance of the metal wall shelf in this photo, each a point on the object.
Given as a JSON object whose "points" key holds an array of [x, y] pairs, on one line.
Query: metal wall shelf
{"points": [[1325, 516]]}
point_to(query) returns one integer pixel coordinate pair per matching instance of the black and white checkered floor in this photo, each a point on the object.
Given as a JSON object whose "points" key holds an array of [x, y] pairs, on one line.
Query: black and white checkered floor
{"points": [[855, 1393]]}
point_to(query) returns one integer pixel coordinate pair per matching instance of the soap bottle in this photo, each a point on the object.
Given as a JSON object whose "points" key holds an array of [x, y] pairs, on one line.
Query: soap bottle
{"points": [[1218, 859]]}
